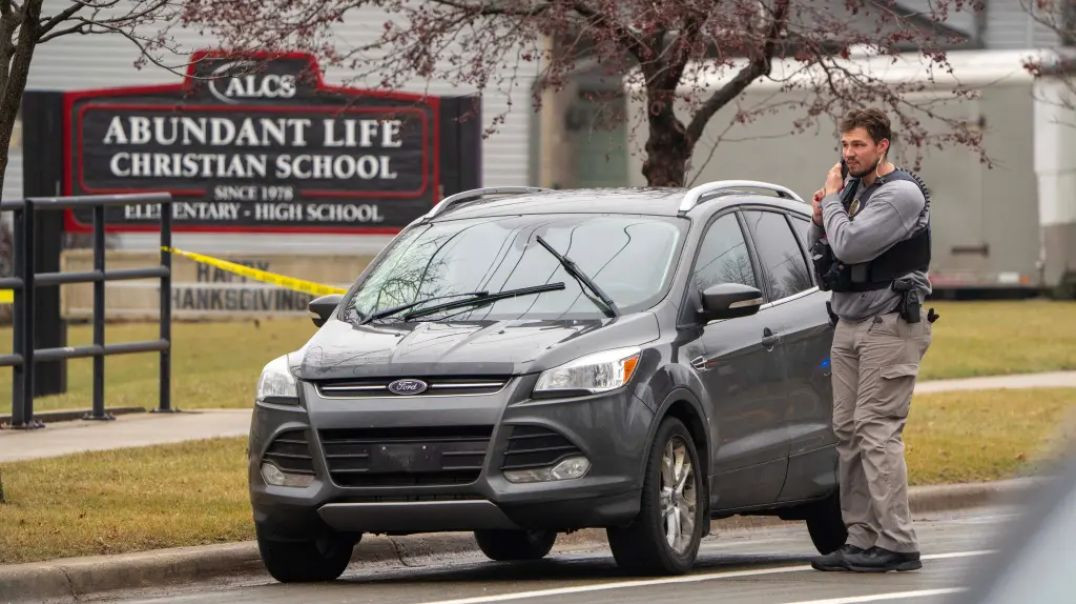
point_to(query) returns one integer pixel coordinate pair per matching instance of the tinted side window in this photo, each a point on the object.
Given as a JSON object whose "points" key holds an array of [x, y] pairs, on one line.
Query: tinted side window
{"points": [[779, 253], [723, 256], [802, 226]]}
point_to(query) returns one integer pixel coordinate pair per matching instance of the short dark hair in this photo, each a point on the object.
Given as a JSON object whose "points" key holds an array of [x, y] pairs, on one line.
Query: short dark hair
{"points": [[873, 120]]}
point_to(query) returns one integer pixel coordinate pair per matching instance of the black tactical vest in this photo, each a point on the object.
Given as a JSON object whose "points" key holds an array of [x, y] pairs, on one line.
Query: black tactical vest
{"points": [[906, 256]]}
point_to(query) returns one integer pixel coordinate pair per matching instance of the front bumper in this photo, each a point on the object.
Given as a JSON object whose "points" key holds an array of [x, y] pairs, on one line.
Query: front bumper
{"points": [[610, 430]]}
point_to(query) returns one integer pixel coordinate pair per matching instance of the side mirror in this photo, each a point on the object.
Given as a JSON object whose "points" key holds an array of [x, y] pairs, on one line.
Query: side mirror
{"points": [[322, 308], [730, 300]]}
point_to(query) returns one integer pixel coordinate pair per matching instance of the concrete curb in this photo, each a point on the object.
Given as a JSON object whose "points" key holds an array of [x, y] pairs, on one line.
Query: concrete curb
{"points": [[73, 578]]}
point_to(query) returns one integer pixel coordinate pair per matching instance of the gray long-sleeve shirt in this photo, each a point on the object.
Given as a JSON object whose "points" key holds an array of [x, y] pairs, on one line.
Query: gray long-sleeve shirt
{"points": [[892, 210]]}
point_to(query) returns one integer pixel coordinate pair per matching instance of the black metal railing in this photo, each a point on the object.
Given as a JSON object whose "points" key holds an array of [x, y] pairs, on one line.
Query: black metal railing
{"points": [[26, 280]]}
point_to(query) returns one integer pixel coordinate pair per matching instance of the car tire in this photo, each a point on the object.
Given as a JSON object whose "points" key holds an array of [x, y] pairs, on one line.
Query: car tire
{"points": [[825, 524], [644, 546], [322, 559], [509, 545]]}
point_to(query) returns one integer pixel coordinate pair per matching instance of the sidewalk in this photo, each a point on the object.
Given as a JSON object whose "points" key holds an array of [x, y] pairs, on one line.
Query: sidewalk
{"points": [[129, 430], [1057, 379], [142, 429]]}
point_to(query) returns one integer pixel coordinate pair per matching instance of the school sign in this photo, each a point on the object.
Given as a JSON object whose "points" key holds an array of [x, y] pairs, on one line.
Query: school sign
{"points": [[260, 142]]}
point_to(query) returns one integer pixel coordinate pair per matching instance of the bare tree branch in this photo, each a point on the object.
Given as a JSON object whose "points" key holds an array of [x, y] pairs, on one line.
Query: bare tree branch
{"points": [[80, 28], [501, 9], [628, 38], [142, 44], [50, 23], [757, 67]]}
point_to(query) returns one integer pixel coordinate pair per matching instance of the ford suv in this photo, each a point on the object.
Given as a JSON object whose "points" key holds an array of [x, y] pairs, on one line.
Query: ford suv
{"points": [[522, 362]]}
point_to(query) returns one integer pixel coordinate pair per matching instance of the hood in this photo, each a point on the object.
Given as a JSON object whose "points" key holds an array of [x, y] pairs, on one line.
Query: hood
{"points": [[340, 350]]}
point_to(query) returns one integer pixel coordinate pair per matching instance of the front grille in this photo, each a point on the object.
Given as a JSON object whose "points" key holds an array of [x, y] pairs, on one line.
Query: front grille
{"points": [[291, 452], [379, 387], [383, 457], [536, 447]]}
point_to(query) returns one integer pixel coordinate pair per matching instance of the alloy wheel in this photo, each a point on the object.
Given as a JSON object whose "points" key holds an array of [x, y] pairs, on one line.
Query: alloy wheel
{"points": [[679, 496]]}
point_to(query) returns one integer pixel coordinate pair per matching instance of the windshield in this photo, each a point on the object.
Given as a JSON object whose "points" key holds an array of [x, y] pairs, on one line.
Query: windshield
{"points": [[628, 257]]}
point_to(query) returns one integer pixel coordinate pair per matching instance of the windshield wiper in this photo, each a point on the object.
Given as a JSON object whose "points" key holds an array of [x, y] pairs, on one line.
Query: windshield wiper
{"points": [[607, 305], [381, 314], [486, 298]]}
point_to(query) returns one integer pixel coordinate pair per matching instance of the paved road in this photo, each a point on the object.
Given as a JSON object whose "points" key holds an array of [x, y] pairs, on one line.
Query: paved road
{"points": [[766, 565]]}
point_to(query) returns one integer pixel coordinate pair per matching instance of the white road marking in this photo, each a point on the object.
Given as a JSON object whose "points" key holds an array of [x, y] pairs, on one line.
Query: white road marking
{"points": [[985, 519], [560, 591], [896, 595], [976, 552], [739, 542]]}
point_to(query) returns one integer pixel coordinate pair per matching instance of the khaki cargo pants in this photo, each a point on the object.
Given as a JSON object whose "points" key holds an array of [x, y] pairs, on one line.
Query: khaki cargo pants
{"points": [[875, 363]]}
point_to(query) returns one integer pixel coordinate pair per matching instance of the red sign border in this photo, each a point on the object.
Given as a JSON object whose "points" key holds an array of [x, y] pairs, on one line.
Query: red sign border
{"points": [[72, 225]]}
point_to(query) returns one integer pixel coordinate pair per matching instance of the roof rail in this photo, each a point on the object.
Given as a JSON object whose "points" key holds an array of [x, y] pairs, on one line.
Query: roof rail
{"points": [[474, 194], [705, 191]]}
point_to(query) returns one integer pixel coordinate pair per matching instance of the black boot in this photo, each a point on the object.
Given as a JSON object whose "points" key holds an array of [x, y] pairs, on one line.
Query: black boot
{"points": [[837, 559], [880, 560]]}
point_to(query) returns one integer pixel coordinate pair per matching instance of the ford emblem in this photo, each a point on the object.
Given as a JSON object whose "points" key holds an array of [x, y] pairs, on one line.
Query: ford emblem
{"points": [[406, 387]]}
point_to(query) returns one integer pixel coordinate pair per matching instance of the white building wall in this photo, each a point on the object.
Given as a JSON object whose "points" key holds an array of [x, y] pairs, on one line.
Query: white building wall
{"points": [[963, 20], [1009, 26], [86, 62]]}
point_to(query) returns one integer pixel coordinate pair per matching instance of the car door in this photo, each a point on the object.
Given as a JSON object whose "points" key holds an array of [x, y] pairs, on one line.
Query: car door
{"points": [[740, 370], [796, 311]]}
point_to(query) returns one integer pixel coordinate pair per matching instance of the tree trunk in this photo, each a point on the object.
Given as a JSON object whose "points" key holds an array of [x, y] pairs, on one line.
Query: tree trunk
{"points": [[11, 95], [667, 150]]}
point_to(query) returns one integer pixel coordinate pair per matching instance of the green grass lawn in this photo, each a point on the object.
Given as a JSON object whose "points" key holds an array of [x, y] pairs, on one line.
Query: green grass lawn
{"points": [[995, 338], [973, 436], [196, 493], [216, 364], [125, 500]]}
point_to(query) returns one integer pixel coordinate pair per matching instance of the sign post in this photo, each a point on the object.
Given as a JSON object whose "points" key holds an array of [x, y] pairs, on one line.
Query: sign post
{"points": [[42, 177]]}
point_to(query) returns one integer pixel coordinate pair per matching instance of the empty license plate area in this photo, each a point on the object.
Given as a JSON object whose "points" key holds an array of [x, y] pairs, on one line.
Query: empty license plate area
{"points": [[405, 458]]}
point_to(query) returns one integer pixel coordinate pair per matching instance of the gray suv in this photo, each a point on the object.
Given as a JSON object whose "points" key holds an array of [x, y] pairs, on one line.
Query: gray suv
{"points": [[521, 362]]}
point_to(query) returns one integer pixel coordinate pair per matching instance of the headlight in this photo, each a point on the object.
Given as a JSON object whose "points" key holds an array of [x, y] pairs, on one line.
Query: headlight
{"points": [[600, 372], [277, 385]]}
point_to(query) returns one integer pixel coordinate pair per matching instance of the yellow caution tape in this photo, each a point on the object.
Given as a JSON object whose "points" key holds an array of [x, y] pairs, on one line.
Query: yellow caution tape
{"points": [[299, 285], [7, 296]]}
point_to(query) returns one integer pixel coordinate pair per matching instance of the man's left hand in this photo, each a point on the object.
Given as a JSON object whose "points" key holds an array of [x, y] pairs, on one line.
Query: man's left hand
{"points": [[834, 182]]}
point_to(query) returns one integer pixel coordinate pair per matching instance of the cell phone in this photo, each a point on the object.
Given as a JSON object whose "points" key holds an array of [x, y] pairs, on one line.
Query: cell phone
{"points": [[844, 169]]}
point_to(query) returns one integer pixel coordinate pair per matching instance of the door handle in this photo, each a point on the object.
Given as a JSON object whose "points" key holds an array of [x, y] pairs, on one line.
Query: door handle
{"points": [[769, 339]]}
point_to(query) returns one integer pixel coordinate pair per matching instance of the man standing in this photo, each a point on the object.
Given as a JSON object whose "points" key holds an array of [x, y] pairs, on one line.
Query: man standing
{"points": [[871, 245]]}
